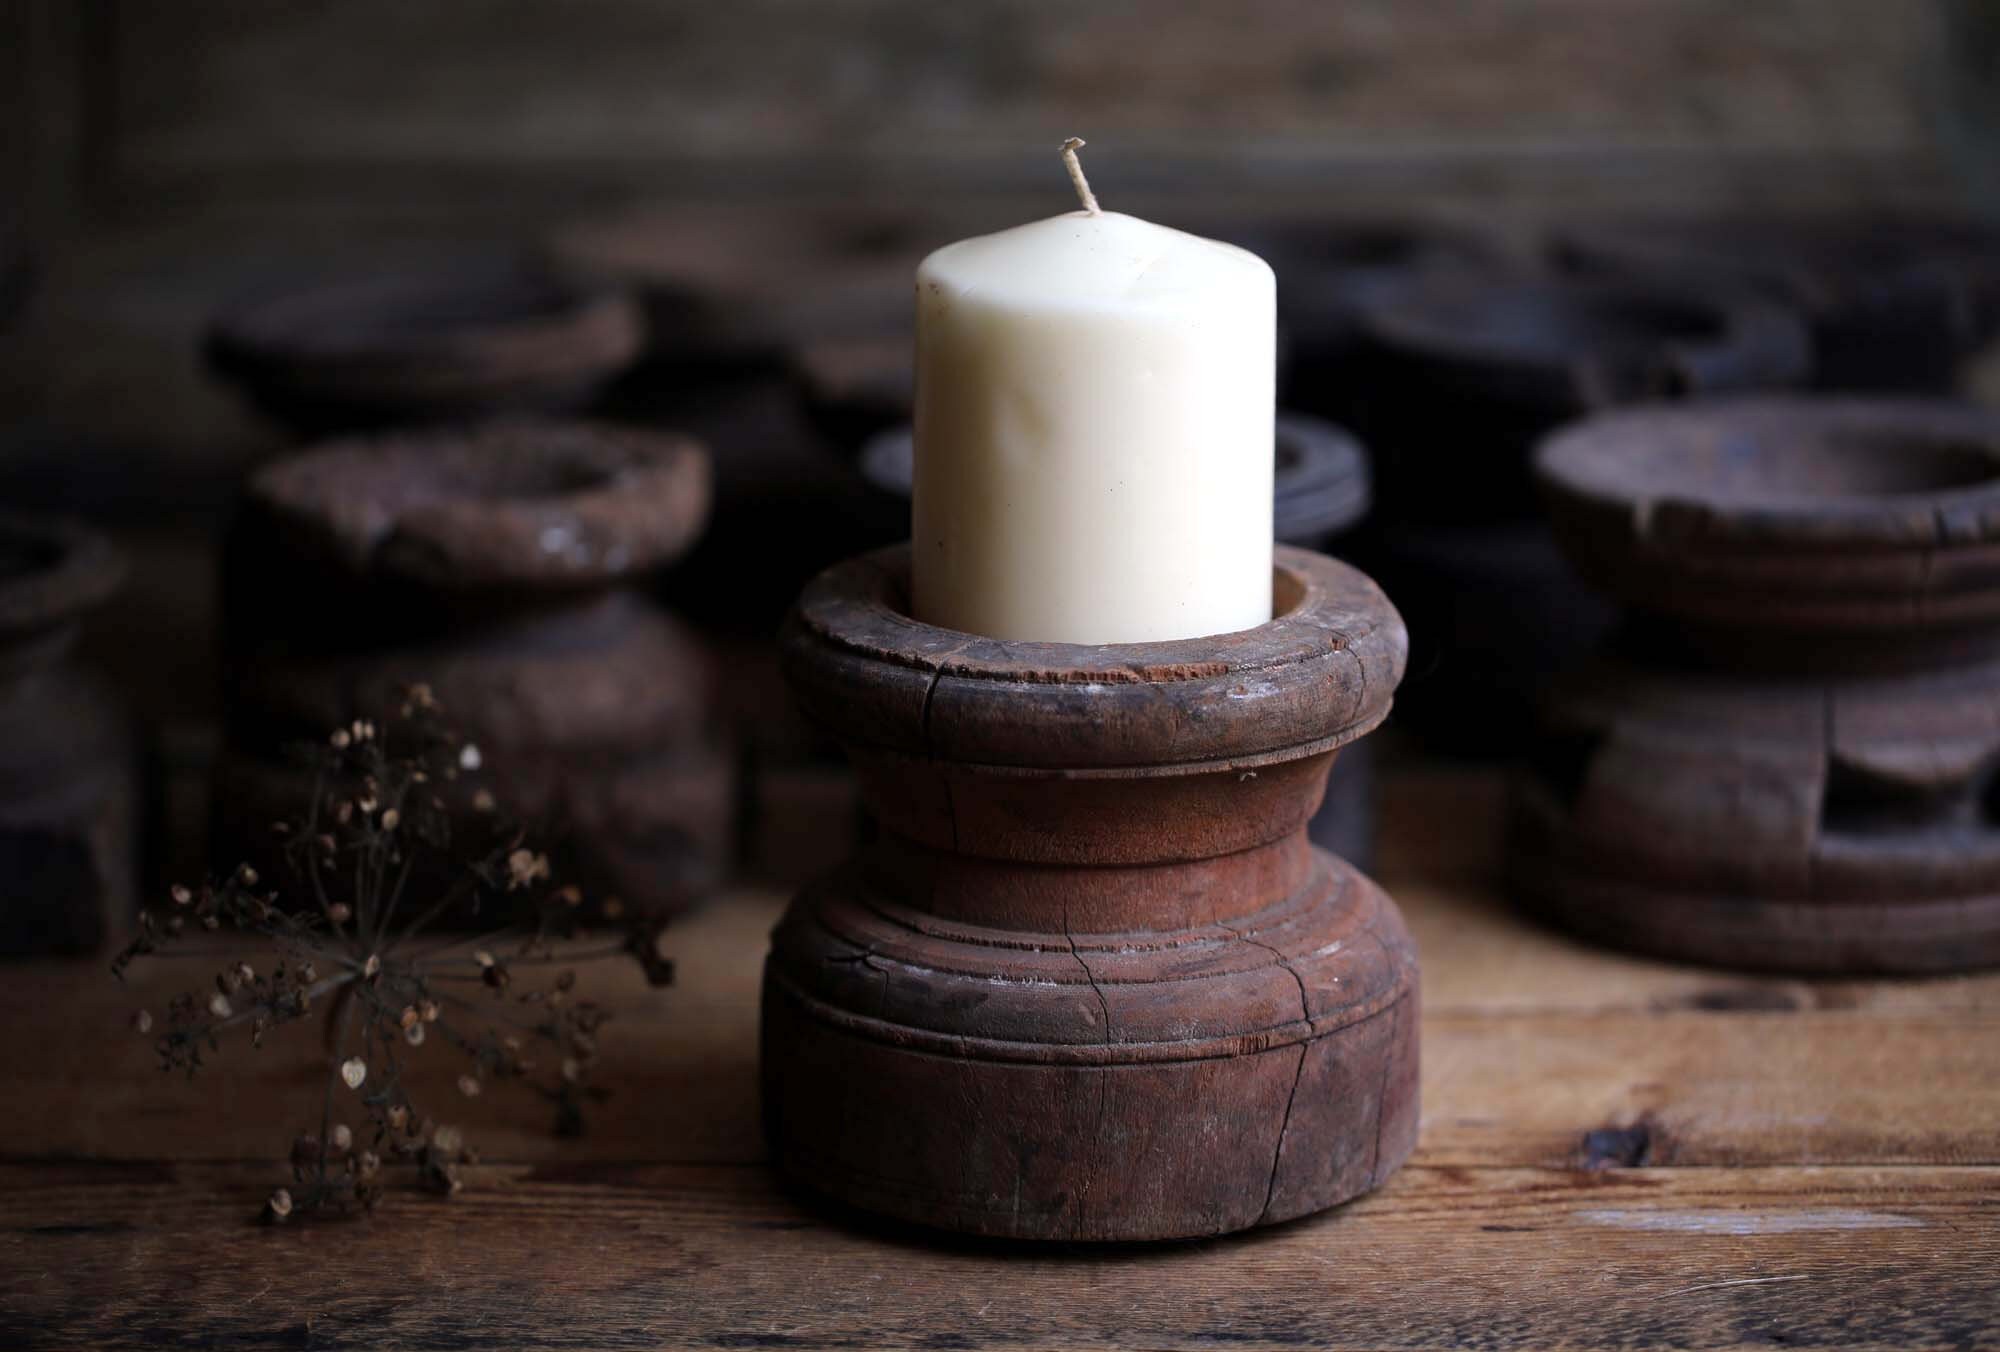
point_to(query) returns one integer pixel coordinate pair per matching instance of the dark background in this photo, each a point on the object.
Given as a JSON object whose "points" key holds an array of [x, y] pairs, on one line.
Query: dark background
{"points": [[164, 158]]}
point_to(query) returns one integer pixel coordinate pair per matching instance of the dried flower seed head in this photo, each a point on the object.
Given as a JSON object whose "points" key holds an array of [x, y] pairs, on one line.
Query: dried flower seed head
{"points": [[368, 1164], [340, 913], [429, 1009], [525, 867], [181, 895], [482, 801], [469, 757], [142, 1022], [468, 1086], [341, 1139], [570, 895], [245, 974], [363, 730], [421, 696], [371, 968], [414, 1034], [366, 804], [308, 972], [447, 1140], [353, 1071], [391, 819], [340, 739], [408, 1018], [279, 1205], [218, 1005], [247, 875], [397, 1116], [483, 958]]}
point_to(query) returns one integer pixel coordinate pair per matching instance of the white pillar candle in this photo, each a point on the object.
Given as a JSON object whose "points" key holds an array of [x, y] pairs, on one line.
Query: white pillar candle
{"points": [[1095, 397]]}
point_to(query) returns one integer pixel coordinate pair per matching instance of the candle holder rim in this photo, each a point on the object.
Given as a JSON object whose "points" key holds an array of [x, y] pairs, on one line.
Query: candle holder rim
{"points": [[385, 316], [419, 505], [1316, 676], [1745, 339], [1599, 466]]}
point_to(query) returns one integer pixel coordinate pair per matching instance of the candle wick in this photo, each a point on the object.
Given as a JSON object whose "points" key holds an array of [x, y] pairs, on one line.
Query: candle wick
{"points": [[1070, 162]]}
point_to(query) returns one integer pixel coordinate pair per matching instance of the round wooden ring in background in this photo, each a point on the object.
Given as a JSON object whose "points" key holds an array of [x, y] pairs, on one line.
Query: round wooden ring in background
{"points": [[452, 343], [1895, 304]]}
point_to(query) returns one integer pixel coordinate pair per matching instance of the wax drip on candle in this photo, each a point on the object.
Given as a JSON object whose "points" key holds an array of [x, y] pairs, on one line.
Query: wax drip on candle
{"points": [[1083, 192]]}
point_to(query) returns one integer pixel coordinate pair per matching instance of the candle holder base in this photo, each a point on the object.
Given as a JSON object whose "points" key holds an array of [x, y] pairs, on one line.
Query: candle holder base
{"points": [[1786, 760], [1093, 982]]}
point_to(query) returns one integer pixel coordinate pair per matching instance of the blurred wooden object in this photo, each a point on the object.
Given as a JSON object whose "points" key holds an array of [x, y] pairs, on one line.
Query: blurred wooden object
{"points": [[69, 756], [455, 342], [1615, 1152], [1786, 761], [502, 567], [1456, 379], [1893, 304]]}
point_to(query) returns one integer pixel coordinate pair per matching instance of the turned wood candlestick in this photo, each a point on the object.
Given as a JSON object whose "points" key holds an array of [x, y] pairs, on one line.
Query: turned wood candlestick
{"points": [[1092, 981], [1786, 760], [1320, 493]]}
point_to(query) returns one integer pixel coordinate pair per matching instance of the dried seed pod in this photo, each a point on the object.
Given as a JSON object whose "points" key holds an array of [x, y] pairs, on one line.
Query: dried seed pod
{"points": [[353, 1071]]}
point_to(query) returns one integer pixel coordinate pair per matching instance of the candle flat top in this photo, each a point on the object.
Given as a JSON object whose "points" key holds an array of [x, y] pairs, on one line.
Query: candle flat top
{"points": [[1087, 262]]}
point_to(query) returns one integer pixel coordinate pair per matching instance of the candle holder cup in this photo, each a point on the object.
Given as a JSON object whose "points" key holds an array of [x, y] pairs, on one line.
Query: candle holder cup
{"points": [[1786, 758], [1092, 980]]}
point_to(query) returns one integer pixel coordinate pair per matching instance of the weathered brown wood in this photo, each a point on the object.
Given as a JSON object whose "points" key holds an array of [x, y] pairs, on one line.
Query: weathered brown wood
{"points": [[1093, 981], [1456, 378], [1855, 1120], [620, 1255], [1896, 304], [1321, 490], [460, 340], [1787, 760], [499, 565]]}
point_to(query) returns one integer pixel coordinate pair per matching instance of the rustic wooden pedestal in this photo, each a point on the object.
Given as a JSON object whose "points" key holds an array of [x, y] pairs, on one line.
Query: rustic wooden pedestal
{"points": [[500, 566], [1462, 376], [1787, 759], [1092, 981]]}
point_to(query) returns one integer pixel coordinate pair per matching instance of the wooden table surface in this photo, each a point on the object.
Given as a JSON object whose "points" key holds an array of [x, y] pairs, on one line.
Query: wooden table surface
{"points": [[1614, 1153]]}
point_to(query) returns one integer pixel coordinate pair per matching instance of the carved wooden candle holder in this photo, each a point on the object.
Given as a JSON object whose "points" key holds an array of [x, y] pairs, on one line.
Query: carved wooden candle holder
{"points": [[1895, 304], [1462, 376], [1320, 493], [1787, 759], [471, 339], [69, 765], [1092, 981], [502, 567]]}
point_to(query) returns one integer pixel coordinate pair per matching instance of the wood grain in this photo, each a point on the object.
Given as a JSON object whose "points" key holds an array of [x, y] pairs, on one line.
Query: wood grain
{"points": [[1614, 1152], [618, 1256]]}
